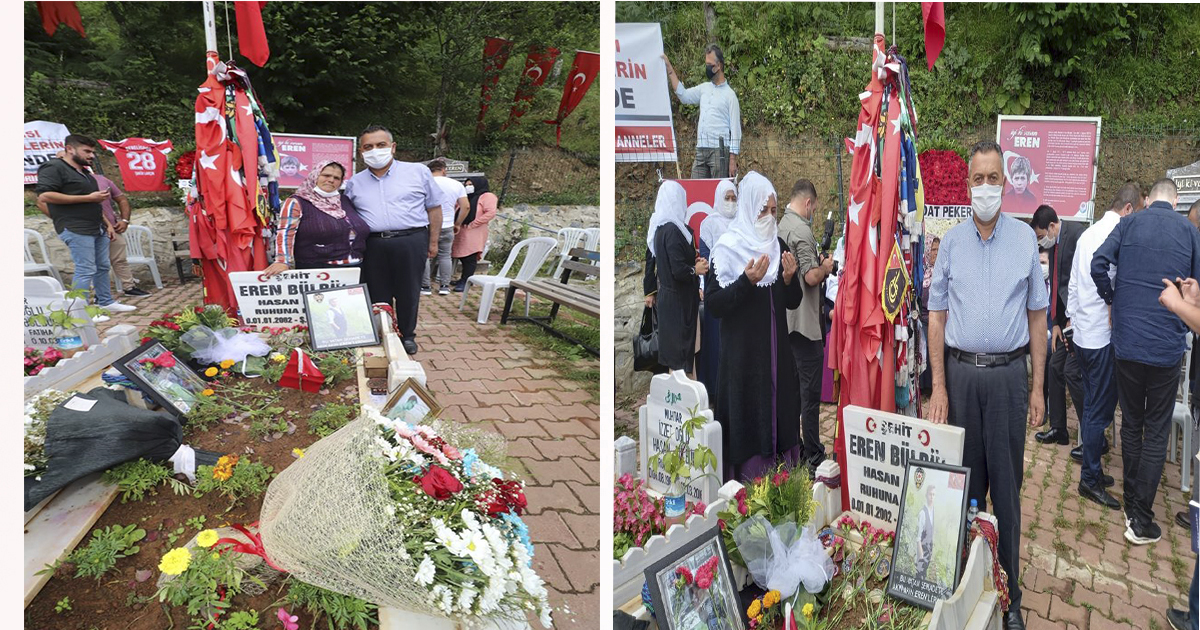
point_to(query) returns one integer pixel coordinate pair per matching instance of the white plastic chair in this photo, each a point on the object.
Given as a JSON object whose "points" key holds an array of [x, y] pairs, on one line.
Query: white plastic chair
{"points": [[139, 250], [1181, 422], [592, 242], [31, 264], [537, 249], [568, 238]]}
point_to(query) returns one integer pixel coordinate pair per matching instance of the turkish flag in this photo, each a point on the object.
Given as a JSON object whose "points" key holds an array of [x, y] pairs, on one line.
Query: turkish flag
{"points": [[583, 71], [252, 37], [538, 63], [933, 14], [55, 13], [495, 55]]}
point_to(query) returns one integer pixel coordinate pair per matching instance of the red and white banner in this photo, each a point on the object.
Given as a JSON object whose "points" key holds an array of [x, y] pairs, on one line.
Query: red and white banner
{"points": [[299, 153], [143, 162], [495, 55], [1049, 160], [538, 64], [42, 141], [645, 130], [583, 71]]}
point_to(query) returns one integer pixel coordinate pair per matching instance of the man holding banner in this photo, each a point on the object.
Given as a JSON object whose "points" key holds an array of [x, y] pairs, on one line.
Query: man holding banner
{"points": [[719, 129]]}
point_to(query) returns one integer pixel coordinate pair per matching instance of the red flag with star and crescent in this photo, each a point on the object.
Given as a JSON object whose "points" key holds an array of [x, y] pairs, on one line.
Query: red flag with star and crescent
{"points": [[583, 72], [538, 64]]}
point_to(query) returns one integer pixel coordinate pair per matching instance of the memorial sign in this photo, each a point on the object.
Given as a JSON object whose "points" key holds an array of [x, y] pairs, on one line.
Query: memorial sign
{"points": [[1049, 160], [1187, 180], [279, 300], [673, 399], [43, 295], [298, 153], [878, 445]]}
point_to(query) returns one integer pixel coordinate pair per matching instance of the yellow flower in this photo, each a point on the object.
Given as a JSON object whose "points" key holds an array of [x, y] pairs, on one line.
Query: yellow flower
{"points": [[175, 561], [345, 362], [278, 358], [210, 372], [298, 452], [227, 363], [754, 609], [216, 555], [207, 392], [807, 610], [770, 599], [206, 538]]}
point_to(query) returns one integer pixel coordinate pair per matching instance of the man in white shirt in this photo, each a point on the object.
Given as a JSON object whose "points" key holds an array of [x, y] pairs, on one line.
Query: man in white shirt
{"points": [[454, 210], [720, 120], [1092, 325]]}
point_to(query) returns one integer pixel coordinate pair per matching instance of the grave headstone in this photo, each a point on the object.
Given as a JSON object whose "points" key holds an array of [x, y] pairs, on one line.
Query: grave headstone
{"points": [[279, 300], [673, 399], [626, 459], [1187, 180], [878, 445], [43, 295]]}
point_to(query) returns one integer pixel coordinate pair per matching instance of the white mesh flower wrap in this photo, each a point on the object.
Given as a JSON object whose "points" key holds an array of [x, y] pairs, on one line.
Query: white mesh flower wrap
{"points": [[782, 558]]}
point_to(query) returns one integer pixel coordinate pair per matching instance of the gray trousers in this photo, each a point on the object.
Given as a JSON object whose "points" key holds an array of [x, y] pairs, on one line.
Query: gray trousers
{"points": [[992, 405], [444, 264], [710, 163]]}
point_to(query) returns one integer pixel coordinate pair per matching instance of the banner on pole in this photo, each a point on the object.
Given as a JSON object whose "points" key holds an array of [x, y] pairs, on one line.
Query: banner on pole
{"points": [[645, 129], [495, 54], [300, 153], [42, 140], [1049, 160]]}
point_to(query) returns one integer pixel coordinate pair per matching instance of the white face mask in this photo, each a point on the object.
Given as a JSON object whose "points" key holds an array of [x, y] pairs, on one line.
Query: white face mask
{"points": [[470, 190], [1045, 271], [985, 201], [728, 209], [764, 225], [1046, 242], [378, 158], [322, 192]]}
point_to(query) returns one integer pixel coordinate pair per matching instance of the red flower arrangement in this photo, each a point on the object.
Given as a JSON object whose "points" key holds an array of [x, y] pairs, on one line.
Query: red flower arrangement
{"points": [[684, 574], [706, 573], [944, 176], [185, 165], [36, 360], [439, 484], [742, 508], [164, 360], [508, 497]]}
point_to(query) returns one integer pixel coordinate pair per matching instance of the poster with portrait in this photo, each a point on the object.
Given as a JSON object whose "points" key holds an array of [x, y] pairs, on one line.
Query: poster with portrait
{"points": [[299, 153], [930, 534], [1049, 160], [692, 588], [340, 317]]}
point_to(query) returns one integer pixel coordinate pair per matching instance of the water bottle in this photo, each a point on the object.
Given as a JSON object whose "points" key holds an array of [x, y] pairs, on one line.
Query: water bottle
{"points": [[972, 512]]}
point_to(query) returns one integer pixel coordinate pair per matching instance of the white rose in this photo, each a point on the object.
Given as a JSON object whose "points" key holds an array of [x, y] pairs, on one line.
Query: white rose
{"points": [[425, 572]]}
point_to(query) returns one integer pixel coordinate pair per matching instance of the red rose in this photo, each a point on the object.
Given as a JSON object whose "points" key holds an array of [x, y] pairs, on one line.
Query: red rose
{"points": [[440, 484], [508, 498]]}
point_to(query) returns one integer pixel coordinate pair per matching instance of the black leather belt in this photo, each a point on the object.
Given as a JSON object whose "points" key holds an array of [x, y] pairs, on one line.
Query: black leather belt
{"points": [[985, 359], [395, 233]]}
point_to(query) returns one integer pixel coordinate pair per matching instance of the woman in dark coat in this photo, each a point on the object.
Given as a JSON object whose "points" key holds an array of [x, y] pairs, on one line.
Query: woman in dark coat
{"points": [[708, 362], [672, 262], [751, 285]]}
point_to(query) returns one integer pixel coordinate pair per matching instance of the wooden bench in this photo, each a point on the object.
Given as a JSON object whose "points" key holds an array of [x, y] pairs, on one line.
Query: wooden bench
{"points": [[561, 293], [183, 254]]}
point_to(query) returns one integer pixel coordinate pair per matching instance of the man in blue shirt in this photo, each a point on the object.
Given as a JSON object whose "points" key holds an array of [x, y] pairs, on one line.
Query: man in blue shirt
{"points": [[720, 121], [987, 301], [1148, 341], [402, 204]]}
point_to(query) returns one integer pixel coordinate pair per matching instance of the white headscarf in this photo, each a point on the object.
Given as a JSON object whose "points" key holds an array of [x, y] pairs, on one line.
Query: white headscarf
{"points": [[670, 207], [718, 222], [741, 242]]}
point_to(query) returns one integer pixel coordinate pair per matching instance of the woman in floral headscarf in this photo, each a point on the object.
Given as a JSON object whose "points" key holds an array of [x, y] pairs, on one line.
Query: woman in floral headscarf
{"points": [[318, 226], [750, 286]]}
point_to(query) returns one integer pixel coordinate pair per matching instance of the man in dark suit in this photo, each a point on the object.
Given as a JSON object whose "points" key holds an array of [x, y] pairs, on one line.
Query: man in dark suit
{"points": [[1059, 238]]}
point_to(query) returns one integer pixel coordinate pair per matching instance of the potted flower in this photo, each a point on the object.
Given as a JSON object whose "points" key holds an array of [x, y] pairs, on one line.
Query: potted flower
{"points": [[66, 326], [683, 464]]}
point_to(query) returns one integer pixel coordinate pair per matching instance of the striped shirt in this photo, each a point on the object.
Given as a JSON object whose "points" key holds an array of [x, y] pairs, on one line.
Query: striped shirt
{"points": [[285, 235], [988, 287]]}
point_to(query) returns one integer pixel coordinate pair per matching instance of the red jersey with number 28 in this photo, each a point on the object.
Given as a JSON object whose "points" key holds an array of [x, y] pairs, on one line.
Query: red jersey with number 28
{"points": [[143, 162]]}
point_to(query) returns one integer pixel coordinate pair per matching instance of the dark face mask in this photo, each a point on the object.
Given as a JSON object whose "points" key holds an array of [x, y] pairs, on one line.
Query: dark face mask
{"points": [[710, 70]]}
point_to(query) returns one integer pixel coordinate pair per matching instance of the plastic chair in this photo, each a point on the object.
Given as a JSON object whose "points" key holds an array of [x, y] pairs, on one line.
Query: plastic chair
{"points": [[592, 242], [537, 249], [139, 250], [1181, 423], [31, 264], [569, 238]]}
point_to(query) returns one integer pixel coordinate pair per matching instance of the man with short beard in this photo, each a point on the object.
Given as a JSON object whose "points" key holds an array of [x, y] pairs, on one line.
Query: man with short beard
{"points": [[73, 198]]}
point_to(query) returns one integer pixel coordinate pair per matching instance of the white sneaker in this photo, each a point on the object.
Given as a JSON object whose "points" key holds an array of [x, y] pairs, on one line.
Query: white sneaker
{"points": [[117, 307], [444, 290], [426, 291], [100, 319]]}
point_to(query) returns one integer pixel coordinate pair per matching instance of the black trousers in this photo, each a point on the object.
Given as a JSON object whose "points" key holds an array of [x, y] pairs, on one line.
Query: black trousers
{"points": [[808, 355], [468, 266], [992, 405], [1063, 373], [393, 269], [1147, 397]]}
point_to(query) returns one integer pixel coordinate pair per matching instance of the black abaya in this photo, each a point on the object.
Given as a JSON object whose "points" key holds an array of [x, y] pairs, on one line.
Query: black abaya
{"points": [[678, 298]]}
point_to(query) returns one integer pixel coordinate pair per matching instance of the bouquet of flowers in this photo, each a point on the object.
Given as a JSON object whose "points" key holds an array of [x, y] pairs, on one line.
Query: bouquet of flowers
{"points": [[780, 496], [36, 360], [636, 515], [944, 176], [418, 517], [185, 165], [170, 328], [37, 410]]}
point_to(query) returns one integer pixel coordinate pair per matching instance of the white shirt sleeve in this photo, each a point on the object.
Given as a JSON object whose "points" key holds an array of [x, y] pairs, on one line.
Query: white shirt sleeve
{"points": [[688, 96], [735, 125]]}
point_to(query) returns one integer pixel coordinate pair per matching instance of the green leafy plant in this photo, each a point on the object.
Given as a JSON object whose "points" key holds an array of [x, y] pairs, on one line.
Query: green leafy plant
{"points": [[62, 605], [174, 535], [330, 418], [198, 587], [134, 479], [61, 319], [337, 366], [682, 462], [101, 553], [268, 422], [234, 478], [342, 612], [782, 495], [207, 411], [241, 620], [196, 522]]}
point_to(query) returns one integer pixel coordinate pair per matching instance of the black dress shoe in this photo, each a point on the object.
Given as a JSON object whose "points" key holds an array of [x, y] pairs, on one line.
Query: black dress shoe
{"points": [[1107, 481], [136, 292], [410, 345], [1099, 495], [1077, 452], [1053, 436], [1181, 519], [1012, 620]]}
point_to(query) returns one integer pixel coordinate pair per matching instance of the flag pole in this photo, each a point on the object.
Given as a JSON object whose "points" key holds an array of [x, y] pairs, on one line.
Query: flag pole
{"points": [[879, 17], [210, 27]]}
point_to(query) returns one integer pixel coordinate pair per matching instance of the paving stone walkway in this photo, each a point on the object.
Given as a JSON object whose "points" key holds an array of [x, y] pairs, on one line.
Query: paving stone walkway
{"points": [[484, 374]]}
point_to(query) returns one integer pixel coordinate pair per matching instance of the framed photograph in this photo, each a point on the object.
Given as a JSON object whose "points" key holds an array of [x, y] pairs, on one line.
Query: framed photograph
{"points": [[340, 317], [930, 533], [164, 377], [411, 402], [692, 588]]}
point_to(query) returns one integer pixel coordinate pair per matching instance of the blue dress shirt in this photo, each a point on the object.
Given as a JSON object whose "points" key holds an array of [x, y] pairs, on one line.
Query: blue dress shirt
{"points": [[399, 200]]}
